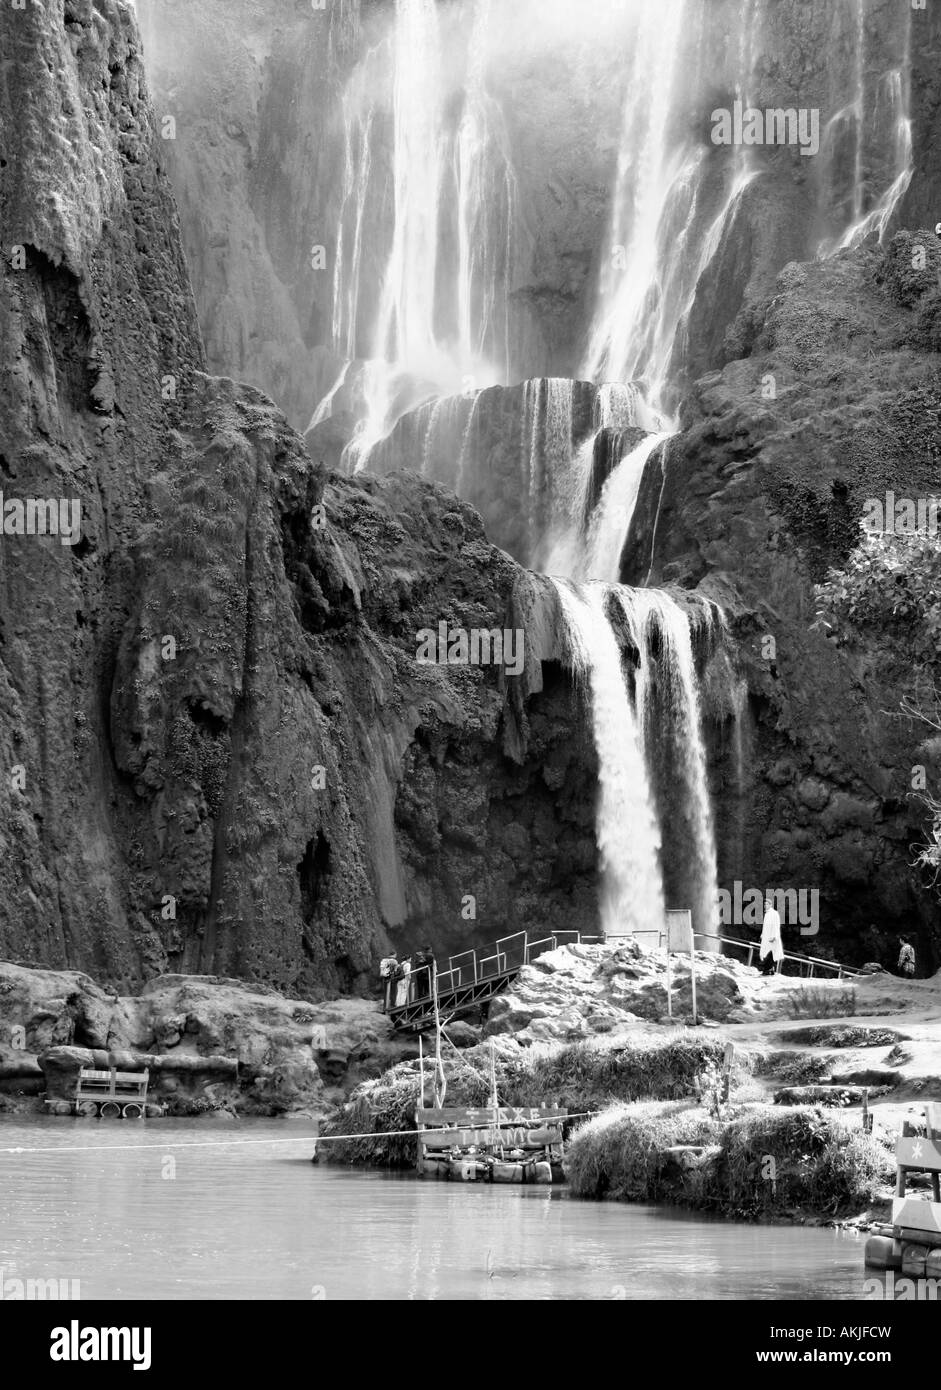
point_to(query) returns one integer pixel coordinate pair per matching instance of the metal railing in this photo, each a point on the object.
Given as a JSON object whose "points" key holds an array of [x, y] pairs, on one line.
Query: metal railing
{"points": [[507, 956], [511, 953], [811, 962]]}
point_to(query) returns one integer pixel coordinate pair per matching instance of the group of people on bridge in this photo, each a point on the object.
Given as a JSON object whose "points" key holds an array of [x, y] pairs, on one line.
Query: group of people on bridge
{"points": [[407, 980]]}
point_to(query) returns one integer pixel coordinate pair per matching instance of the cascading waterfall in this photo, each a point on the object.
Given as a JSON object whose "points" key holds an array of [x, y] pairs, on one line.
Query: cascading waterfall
{"points": [[629, 279], [486, 200], [358, 126], [546, 453], [617, 407], [612, 517], [661, 632], [627, 831], [465, 448], [442, 323], [430, 228], [667, 223], [867, 145]]}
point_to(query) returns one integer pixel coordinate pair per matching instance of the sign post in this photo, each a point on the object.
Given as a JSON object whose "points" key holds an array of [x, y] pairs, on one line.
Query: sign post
{"points": [[728, 1057], [669, 981], [680, 938]]}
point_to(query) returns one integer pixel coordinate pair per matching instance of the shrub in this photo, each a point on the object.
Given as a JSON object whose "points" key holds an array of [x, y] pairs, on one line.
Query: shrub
{"points": [[772, 1162], [623, 1153], [794, 1068], [763, 1163], [905, 283], [821, 1001], [890, 584]]}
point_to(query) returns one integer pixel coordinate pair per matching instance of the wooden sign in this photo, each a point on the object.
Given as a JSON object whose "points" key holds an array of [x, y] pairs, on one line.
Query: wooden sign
{"points": [[680, 930], [486, 1115], [916, 1214], [919, 1153], [522, 1137]]}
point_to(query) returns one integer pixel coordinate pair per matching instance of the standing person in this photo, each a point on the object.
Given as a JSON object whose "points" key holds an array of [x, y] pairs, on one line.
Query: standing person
{"points": [[387, 970], [906, 957], [771, 952], [402, 983], [426, 963]]}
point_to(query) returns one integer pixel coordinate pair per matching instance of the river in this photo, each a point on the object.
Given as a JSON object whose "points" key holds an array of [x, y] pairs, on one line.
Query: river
{"points": [[133, 1212]]}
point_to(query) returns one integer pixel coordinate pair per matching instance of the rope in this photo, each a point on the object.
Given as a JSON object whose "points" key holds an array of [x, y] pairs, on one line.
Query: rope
{"points": [[108, 1148], [398, 1133], [297, 1139], [461, 1058]]}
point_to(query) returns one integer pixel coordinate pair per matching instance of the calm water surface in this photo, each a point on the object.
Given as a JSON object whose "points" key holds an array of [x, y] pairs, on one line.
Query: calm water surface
{"points": [[259, 1220]]}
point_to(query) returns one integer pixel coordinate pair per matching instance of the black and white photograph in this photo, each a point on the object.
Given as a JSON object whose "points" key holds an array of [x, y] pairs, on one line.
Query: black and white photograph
{"points": [[470, 670]]}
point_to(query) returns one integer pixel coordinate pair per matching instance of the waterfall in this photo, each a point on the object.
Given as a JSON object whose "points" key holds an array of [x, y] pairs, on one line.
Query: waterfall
{"points": [[612, 517], [666, 683], [347, 265], [442, 452], [325, 408], [441, 325], [867, 145], [627, 289], [486, 202], [463, 453], [617, 407], [626, 826], [546, 456], [666, 225]]}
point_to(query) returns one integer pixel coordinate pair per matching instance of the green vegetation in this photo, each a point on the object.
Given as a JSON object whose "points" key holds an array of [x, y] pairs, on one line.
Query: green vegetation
{"points": [[763, 1163], [577, 1078], [891, 583], [794, 1068], [623, 1153], [821, 1001], [818, 1164], [843, 1035]]}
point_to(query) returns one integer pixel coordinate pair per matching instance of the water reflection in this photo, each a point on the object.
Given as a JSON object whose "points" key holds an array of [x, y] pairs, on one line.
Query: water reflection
{"points": [[236, 1220]]}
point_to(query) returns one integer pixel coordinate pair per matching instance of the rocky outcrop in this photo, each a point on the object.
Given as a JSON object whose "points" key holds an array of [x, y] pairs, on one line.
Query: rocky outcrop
{"points": [[580, 992], [209, 1043]]}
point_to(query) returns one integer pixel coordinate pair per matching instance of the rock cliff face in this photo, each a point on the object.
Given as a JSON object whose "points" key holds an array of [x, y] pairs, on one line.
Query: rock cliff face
{"points": [[219, 750], [209, 1043]]}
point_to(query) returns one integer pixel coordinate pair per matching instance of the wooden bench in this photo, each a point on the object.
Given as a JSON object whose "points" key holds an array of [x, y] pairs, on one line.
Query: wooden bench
{"points": [[111, 1092]]}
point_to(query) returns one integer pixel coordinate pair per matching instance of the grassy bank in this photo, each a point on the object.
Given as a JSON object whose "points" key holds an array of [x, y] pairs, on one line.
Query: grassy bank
{"points": [[576, 1078], [762, 1163]]}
